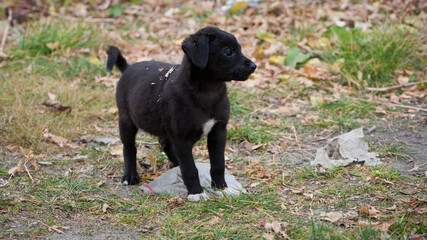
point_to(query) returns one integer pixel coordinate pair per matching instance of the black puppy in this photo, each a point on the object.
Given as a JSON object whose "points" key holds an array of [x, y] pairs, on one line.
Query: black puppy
{"points": [[181, 103]]}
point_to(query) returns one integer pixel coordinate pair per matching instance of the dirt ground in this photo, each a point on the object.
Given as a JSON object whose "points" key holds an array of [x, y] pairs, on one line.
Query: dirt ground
{"points": [[411, 134]]}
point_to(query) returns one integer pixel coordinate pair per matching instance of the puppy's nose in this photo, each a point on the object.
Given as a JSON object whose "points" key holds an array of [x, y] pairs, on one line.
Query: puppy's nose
{"points": [[252, 66]]}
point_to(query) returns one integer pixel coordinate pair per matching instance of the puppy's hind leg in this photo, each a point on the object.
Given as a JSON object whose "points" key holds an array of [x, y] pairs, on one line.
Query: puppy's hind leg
{"points": [[128, 132], [167, 148]]}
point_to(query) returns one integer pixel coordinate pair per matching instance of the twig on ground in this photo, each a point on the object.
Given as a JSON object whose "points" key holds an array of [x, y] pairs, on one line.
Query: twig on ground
{"points": [[28, 172], [417, 167], [385, 89], [295, 135], [76, 19], [55, 228], [306, 151], [6, 30], [409, 107], [370, 130]]}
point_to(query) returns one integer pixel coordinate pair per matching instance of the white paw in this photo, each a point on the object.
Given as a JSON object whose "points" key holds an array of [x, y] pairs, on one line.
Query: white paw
{"points": [[197, 197], [125, 182], [231, 192]]}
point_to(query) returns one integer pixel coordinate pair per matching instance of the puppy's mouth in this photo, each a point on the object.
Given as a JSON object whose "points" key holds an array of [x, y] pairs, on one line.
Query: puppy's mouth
{"points": [[242, 75], [245, 71]]}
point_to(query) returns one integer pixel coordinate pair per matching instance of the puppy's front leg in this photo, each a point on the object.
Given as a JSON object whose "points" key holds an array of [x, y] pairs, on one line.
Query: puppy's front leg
{"points": [[216, 146], [183, 152]]}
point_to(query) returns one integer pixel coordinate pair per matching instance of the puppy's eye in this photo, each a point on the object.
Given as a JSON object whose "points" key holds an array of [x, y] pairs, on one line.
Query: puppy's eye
{"points": [[228, 52]]}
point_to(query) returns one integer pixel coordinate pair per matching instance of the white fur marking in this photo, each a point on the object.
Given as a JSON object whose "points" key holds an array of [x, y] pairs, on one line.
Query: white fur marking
{"points": [[197, 197], [207, 127]]}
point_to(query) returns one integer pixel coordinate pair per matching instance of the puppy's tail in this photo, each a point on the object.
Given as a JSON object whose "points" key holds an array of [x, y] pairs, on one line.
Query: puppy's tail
{"points": [[115, 57]]}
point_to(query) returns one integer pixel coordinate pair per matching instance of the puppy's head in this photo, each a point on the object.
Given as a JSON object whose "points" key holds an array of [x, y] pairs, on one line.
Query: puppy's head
{"points": [[217, 55]]}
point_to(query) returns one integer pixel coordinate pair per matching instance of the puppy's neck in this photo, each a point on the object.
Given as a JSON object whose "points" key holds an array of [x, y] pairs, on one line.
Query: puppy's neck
{"points": [[191, 73], [201, 87]]}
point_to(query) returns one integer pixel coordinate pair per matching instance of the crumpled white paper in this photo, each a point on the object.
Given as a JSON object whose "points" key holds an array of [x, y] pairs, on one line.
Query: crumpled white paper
{"points": [[346, 149], [171, 182]]}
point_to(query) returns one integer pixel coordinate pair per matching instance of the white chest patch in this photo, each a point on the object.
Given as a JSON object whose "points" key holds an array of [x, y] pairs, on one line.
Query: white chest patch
{"points": [[208, 126]]}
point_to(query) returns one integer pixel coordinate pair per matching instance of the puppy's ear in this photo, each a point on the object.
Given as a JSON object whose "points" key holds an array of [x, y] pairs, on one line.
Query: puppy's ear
{"points": [[197, 49]]}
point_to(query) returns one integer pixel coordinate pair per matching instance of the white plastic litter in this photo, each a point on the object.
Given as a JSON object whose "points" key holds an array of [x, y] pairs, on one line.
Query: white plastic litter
{"points": [[346, 149], [171, 182]]}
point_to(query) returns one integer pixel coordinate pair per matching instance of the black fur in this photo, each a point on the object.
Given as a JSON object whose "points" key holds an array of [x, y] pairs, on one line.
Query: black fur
{"points": [[115, 58], [173, 102]]}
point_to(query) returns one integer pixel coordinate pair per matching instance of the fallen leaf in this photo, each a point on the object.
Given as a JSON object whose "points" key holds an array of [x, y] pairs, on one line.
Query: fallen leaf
{"points": [[331, 216], [117, 151], [29, 69], [296, 56], [53, 45], [178, 42], [337, 65], [214, 221], [402, 79], [383, 226], [316, 42], [275, 59], [113, 110], [418, 237], [286, 111], [276, 226], [380, 110], [105, 207], [268, 236], [94, 60], [13, 170], [371, 211], [352, 215], [54, 104], [237, 6], [58, 140], [257, 146], [408, 190], [315, 62], [316, 101], [100, 183], [31, 158], [177, 201], [51, 96]]}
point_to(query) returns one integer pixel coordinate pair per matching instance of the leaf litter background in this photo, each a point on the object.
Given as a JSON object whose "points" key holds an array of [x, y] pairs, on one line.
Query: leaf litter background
{"points": [[284, 38]]}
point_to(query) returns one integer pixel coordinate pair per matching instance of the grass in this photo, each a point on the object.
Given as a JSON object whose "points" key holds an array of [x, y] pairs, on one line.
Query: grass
{"points": [[345, 113], [37, 70], [87, 196], [45, 38], [394, 151], [320, 230], [372, 58], [241, 217]]}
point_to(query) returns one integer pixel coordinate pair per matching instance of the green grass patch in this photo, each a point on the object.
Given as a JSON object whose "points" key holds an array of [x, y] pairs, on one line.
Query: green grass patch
{"points": [[394, 151], [372, 58], [48, 38], [53, 57], [345, 113], [321, 230]]}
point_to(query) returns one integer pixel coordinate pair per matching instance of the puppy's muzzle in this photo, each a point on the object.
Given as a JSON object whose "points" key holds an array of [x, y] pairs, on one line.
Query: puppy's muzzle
{"points": [[245, 70], [252, 66]]}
